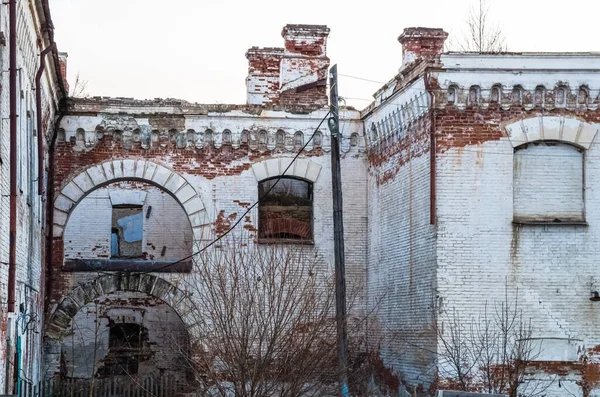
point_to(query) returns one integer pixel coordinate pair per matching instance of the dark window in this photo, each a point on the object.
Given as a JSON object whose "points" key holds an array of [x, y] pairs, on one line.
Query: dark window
{"points": [[125, 349], [127, 232], [285, 210]]}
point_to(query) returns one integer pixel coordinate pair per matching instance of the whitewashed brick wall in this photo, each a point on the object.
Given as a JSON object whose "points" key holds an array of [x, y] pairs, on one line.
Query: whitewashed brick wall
{"points": [[29, 213], [401, 273], [88, 231], [553, 268]]}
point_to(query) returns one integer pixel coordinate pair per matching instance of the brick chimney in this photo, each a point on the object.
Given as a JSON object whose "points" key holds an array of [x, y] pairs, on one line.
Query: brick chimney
{"points": [[263, 75], [304, 65], [62, 61], [295, 75], [421, 43]]}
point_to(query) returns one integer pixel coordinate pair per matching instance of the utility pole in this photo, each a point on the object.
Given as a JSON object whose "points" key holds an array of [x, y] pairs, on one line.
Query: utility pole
{"points": [[338, 233]]}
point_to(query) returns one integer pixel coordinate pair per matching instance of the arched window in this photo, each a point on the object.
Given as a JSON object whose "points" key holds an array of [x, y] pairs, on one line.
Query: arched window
{"points": [[208, 137], [496, 95], [298, 139], [226, 137], [244, 137], [540, 95], [262, 139], [280, 139], [517, 95], [582, 97], [318, 139], [285, 210], [561, 97], [548, 183], [474, 93], [452, 94]]}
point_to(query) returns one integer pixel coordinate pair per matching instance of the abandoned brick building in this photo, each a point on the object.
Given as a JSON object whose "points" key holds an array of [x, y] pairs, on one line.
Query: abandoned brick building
{"points": [[469, 185]]}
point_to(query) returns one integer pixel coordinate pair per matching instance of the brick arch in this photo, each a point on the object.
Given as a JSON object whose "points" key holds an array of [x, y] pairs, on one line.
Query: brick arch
{"points": [[302, 168], [108, 172], [63, 314], [558, 128]]}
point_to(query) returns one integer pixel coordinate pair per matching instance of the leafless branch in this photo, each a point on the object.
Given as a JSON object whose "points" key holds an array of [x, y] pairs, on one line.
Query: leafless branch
{"points": [[78, 89], [482, 34]]}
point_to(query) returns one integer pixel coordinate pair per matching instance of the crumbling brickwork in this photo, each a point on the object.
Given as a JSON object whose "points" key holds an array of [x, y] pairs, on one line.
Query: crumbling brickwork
{"points": [[440, 180], [293, 76], [199, 167]]}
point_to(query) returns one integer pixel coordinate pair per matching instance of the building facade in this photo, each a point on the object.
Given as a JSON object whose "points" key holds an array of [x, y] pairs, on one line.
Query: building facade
{"points": [[481, 211], [141, 184], [468, 201], [31, 90]]}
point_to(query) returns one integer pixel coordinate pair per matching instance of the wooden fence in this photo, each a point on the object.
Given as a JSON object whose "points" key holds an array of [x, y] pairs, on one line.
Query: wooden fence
{"points": [[108, 387]]}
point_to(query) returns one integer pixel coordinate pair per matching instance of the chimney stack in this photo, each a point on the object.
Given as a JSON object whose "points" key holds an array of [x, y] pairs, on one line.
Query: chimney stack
{"points": [[421, 43], [295, 75], [263, 75], [304, 65]]}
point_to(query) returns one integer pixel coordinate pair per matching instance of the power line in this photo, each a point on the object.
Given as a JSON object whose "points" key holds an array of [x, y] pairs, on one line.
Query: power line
{"points": [[243, 217], [361, 78]]}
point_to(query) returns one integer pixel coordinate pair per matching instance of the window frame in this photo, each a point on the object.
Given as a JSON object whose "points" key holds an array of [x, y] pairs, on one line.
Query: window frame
{"points": [[270, 240]]}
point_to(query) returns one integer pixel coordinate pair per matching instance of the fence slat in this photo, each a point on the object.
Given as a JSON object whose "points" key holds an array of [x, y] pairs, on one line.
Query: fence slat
{"points": [[150, 386]]}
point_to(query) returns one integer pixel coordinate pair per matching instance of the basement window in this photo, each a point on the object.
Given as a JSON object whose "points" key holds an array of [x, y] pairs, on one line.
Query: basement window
{"points": [[127, 231], [285, 211], [548, 184]]}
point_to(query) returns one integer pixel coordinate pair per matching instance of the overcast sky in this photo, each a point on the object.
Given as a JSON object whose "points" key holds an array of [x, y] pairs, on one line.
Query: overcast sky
{"points": [[194, 49]]}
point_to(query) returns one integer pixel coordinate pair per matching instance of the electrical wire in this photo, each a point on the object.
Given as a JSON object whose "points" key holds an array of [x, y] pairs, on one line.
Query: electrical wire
{"points": [[361, 78], [243, 217]]}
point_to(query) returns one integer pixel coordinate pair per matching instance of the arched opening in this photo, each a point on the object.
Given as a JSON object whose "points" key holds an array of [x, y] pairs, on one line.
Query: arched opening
{"points": [[125, 334], [127, 226], [121, 328]]}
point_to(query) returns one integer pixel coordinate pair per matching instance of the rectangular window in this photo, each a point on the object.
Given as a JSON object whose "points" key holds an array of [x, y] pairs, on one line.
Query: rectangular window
{"points": [[127, 231]]}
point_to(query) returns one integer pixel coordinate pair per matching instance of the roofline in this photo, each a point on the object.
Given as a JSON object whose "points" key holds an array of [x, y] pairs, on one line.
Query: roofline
{"points": [[589, 54]]}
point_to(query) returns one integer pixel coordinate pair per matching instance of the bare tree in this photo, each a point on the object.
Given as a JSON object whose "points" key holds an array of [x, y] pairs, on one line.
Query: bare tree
{"points": [[482, 34], [491, 353], [266, 322], [78, 89]]}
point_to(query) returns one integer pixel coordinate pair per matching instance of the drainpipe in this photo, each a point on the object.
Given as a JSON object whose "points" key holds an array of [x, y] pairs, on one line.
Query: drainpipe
{"points": [[12, 253], [49, 28], [38, 104], [432, 151]]}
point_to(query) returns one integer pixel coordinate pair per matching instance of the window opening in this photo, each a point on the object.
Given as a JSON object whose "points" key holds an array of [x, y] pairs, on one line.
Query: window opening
{"points": [[126, 344], [285, 210], [127, 231]]}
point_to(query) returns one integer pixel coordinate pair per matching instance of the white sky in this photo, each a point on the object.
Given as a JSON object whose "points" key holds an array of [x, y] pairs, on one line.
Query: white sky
{"points": [[194, 49]]}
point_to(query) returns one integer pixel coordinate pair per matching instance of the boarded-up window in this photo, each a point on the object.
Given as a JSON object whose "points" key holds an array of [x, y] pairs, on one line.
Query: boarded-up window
{"points": [[127, 232], [548, 183], [285, 210]]}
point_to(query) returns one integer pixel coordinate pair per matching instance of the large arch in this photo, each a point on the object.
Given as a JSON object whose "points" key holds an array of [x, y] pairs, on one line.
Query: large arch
{"points": [[557, 128], [143, 170], [62, 315]]}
